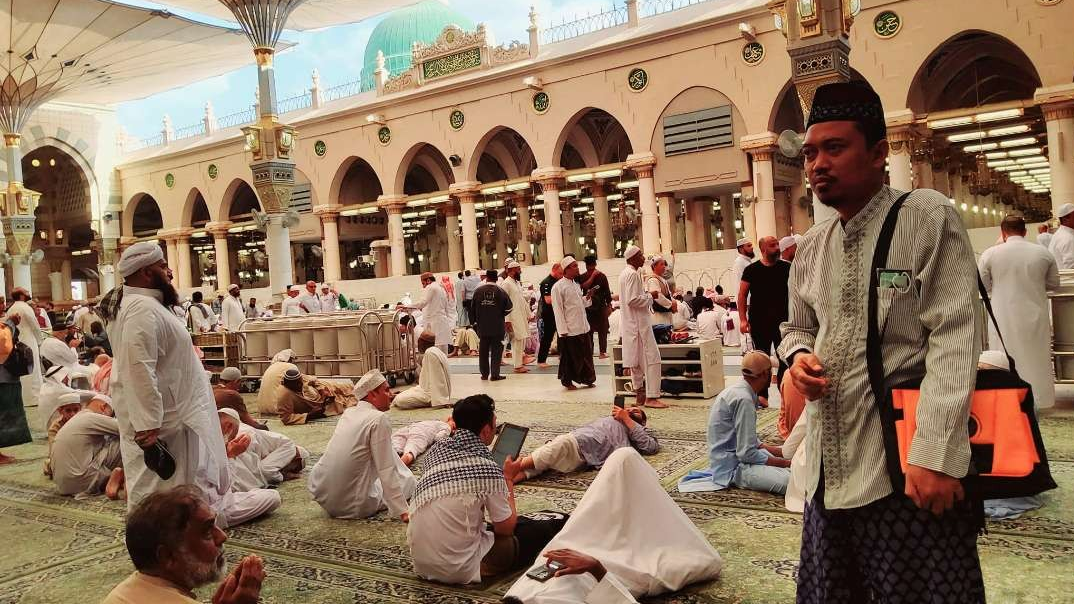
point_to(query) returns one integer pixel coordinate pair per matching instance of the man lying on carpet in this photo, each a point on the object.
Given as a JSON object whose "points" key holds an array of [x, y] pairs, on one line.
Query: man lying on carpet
{"points": [[176, 546], [626, 539], [434, 381], [270, 458], [588, 446], [298, 398], [85, 456], [449, 539], [359, 473], [411, 441], [736, 456]]}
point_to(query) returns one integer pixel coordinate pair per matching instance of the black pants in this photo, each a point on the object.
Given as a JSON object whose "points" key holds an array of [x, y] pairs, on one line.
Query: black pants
{"points": [[548, 331], [766, 338], [490, 354], [889, 551], [468, 306], [532, 533]]}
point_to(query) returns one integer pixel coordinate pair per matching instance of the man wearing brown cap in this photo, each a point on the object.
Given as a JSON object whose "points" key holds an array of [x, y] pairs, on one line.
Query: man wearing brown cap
{"points": [[870, 531]]}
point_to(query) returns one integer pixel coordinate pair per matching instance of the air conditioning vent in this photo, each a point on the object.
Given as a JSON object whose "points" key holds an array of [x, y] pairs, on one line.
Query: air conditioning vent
{"points": [[698, 130]]}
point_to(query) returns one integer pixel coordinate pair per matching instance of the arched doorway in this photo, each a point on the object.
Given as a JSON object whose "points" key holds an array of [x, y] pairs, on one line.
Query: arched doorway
{"points": [[985, 144], [357, 183], [503, 154], [245, 240], [63, 223], [202, 250], [427, 171]]}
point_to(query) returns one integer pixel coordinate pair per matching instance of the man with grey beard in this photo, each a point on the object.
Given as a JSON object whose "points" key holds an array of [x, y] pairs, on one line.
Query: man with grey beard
{"points": [[176, 547]]}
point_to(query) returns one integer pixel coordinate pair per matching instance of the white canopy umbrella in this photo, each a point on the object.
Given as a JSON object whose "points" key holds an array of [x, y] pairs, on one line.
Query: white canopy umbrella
{"points": [[298, 14]]}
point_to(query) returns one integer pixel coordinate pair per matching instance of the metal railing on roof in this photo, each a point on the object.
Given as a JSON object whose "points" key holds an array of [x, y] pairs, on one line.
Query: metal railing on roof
{"points": [[152, 141], [613, 17], [246, 116], [295, 103], [649, 8], [343, 90], [197, 129]]}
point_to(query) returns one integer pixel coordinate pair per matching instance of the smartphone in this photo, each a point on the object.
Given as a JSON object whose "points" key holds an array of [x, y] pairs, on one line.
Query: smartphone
{"points": [[508, 443], [544, 572], [620, 401]]}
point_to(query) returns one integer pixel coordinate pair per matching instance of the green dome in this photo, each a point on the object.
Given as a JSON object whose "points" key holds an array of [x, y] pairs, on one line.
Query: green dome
{"points": [[421, 22]]}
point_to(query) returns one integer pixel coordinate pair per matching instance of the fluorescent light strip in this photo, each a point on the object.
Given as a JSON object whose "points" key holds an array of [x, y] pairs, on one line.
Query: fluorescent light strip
{"points": [[1018, 142], [980, 147], [994, 116]]}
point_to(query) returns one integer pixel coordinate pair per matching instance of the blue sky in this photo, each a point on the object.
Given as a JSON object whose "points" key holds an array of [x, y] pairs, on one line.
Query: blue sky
{"points": [[335, 52]]}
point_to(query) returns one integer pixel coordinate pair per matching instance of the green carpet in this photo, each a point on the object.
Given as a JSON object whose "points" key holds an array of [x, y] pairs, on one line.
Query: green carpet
{"points": [[59, 549]]}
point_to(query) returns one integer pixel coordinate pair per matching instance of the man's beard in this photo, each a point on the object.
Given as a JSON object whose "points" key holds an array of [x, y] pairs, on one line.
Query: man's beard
{"points": [[203, 573], [750, 254], [773, 257], [171, 296]]}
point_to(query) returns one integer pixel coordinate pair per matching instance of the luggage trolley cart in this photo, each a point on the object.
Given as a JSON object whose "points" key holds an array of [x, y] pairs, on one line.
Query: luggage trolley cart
{"points": [[392, 349]]}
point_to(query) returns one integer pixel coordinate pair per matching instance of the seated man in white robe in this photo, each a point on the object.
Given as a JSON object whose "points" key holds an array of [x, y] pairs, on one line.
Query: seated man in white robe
{"points": [[270, 459], [411, 441], [434, 382], [248, 497], [85, 454], [627, 539], [359, 473]]}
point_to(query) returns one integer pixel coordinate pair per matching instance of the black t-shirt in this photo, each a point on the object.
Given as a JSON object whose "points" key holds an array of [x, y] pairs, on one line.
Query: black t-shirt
{"points": [[768, 291], [546, 290], [491, 305]]}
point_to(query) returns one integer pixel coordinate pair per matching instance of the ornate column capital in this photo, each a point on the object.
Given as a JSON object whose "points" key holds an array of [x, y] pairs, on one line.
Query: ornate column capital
{"points": [[450, 208], [760, 146], [642, 164], [327, 212], [218, 229], [551, 176], [392, 204], [465, 192], [1063, 110], [1056, 102]]}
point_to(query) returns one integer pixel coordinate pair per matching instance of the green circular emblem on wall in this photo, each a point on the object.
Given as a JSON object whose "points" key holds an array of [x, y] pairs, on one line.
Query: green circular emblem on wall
{"points": [[213, 171], [637, 79], [319, 148], [887, 24], [541, 102], [753, 53], [169, 180], [457, 119], [384, 135]]}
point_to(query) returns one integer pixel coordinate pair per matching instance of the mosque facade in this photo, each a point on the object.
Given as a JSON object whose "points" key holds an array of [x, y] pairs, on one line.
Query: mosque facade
{"points": [[657, 122]]}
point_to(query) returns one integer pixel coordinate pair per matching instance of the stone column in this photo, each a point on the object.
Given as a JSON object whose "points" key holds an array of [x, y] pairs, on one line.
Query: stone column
{"points": [[278, 250], [749, 212], [220, 254], [394, 205], [900, 171], [454, 245], [695, 234], [761, 147], [65, 280], [642, 164], [1059, 119], [501, 237], [666, 206], [939, 177], [602, 216], [566, 219], [55, 285], [550, 179], [173, 254], [466, 194], [330, 260], [182, 247], [727, 221], [522, 230], [800, 219]]}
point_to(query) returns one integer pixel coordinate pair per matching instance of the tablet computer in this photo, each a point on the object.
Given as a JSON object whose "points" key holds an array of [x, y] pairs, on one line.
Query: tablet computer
{"points": [[508, 443]]}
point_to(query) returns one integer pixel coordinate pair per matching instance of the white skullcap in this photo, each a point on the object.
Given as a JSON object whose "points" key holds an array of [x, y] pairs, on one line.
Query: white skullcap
{"points": [[654, 259], [513, 264], [1064, 209], [567, 261], [232, 286], [233, 414], [787, 242], [230, 374], [58, 352], [297, 288], [995, 358], [742, 242], [101, 397], [323, 285], [369, 382], [284, 356], [630, 251], [139, 256]]}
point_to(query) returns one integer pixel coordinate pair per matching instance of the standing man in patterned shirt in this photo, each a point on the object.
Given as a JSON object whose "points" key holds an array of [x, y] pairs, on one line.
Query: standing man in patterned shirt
{"points": [[862, 540]]}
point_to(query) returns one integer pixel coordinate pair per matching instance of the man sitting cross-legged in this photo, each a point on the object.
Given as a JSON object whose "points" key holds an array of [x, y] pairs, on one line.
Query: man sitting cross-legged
{"points": [[588, 446], [736, 456], [269, 459], [460, 486], [176, 546], [411, 441], [627, 539], [359, 473], [85, 454], [434, 381]]}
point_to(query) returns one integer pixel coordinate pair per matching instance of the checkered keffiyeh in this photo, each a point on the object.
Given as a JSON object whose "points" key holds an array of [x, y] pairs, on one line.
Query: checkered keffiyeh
{"points": [[108, 307], [458, 465]]}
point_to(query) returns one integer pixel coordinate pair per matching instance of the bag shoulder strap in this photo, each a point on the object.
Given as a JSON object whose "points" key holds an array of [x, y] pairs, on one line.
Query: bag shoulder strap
{"points": [[992, 316], [873, 354]]}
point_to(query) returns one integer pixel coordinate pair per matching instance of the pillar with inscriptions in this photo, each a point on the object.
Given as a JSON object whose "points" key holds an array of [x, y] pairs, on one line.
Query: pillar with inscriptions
{"points": [[454, 244], [550, 180], [466, 194]]}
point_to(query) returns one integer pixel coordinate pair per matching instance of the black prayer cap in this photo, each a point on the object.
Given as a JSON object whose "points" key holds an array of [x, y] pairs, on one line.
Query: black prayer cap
{"points": [[850, 102]]}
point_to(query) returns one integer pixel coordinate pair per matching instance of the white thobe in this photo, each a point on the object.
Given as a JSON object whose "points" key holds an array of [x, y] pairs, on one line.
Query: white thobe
{"points": [[263, 462], [434, 383], [328, 302], [416, 438], [519, 318], [85, 452], [1018, 276], [657, 284], [434, 312], [311, 302], [741, 262], [158, 383], [359, 473], [292, 306], [640, 352], [1062, 247], [1044, 239], [202, 318], [628, 522], [29, 334], [708, 323], [794, 500], [232, 313], [568, 306]]}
